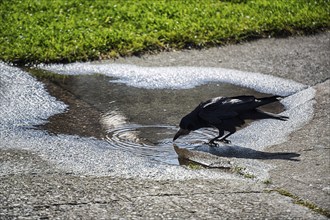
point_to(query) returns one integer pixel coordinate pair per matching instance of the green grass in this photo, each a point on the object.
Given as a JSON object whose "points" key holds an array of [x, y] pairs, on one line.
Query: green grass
{"points": [[33, 31]]}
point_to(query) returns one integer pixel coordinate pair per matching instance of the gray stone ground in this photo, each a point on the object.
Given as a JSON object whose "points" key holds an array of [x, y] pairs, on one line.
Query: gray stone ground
{"points": [[47, 193]]}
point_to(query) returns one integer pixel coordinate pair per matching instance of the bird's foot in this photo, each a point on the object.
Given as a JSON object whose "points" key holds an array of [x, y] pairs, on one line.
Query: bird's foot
{"points": [[225, 141], [212, 144]]}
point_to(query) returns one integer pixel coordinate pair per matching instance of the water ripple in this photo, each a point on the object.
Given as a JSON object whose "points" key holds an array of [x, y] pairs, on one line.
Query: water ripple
{"points": [[155, 141]]}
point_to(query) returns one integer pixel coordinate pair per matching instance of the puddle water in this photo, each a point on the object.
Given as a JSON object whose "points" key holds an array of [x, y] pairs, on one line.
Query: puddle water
{"points": [[138, 120]]}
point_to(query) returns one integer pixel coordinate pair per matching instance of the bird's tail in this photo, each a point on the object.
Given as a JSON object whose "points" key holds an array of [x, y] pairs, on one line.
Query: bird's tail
{"points": [[267, 100], [254, 113], [258, 114]]}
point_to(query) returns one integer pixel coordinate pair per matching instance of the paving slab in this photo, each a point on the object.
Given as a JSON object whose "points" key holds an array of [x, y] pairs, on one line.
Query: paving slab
{"points": [[304, 59], [58, 196]]}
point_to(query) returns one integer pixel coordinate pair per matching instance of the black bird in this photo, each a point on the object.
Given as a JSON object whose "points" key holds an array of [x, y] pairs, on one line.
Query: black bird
{"points": [[226, 114]]}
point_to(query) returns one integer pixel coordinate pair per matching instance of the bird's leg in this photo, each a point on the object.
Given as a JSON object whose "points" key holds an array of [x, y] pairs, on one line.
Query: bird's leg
{"points": [[224, 140], [212, 141]]}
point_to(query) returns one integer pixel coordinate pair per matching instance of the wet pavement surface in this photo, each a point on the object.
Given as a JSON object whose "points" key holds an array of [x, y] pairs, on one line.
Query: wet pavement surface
{"points": [[32, 187], [141, 121]]}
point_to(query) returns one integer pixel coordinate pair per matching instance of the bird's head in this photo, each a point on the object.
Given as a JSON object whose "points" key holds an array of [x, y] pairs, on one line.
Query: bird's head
{"points": [[180, 133], [185, 128]]}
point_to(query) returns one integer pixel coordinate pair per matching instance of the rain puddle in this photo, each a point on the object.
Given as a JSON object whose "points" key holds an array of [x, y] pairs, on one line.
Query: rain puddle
{"points": [[138, 120]]}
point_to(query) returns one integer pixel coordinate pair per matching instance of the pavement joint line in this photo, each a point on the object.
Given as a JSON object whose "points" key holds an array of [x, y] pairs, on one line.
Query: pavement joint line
{"points": [[61, 204], [299, 201], [183, 208], [195, 194], [301, 182]]}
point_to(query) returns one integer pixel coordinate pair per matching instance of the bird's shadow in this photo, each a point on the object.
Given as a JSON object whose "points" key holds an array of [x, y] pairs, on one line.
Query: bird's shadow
{"points": [[233, 151]]}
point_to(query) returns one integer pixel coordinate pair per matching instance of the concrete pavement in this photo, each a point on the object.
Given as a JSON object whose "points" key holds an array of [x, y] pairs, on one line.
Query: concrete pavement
{"points": [[295, 189]]}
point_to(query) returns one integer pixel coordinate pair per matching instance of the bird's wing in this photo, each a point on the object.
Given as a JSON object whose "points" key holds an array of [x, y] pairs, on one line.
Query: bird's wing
{"points": [[218, 109]]}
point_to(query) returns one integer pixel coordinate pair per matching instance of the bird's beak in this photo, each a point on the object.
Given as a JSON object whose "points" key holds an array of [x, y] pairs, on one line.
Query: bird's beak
{"points": [[181, 132]]}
